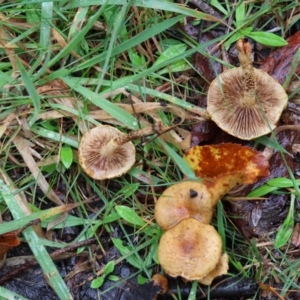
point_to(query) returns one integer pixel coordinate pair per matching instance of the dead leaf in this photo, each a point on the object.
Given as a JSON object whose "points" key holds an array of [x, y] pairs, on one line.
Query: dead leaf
{"points": [[279, 62], [24, 150], [8, 241], [270, 289], [296, 235]]}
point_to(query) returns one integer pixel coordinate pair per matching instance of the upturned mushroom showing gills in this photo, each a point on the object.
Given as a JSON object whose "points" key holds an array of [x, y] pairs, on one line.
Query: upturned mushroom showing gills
{"points": [[245, 102], [106, 152], [101, 156]]}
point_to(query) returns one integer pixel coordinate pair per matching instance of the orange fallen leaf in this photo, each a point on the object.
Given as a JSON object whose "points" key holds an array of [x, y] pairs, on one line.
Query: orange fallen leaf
{"points": [[8, 241], [226, 165]]}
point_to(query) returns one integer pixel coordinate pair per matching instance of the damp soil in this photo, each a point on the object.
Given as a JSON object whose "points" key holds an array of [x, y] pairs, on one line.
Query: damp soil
{"points": [[255, 218]]}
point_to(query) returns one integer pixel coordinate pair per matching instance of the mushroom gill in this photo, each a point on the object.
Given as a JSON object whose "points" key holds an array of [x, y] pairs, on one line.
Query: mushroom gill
{"points": [[245, 102]]}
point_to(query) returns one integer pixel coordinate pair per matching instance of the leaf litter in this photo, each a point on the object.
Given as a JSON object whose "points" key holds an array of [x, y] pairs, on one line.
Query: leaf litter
{"points": [[63, 111]]}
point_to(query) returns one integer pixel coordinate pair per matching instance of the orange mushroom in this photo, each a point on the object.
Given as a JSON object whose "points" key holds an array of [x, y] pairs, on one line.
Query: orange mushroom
{"points": [[187, 199], [190, 249], [224, 166]]}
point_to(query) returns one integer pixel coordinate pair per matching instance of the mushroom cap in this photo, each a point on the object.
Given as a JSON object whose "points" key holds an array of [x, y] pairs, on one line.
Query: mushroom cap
{"points": [[100, 164], [220, 269], [225, 109], [190, 249], [187, 199]]}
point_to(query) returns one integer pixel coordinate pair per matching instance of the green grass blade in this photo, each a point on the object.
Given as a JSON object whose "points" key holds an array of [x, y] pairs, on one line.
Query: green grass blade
{"points": [[262, 191], [17, 224], [286, 229], [294, 66], [193, 291], [154, 4], [39, 251], [136, 40], [48, 134], [118, 25], [115, 111], [221, 225], [45, 32], [9, 295], [36, 101], [170, 98], [184, 167], [77, 39]]}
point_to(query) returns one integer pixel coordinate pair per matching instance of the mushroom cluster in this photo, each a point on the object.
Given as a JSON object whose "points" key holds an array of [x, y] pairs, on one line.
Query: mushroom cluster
{"points": [[190, 247]]}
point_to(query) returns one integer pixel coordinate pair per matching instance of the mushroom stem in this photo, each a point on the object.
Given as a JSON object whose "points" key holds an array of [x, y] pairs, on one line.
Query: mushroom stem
{"points": [[222, 184], [244, 54], [122, 139]]}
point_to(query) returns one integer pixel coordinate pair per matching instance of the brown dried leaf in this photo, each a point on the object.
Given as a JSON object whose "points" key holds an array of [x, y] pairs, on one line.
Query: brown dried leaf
{"points": [[24, 150], [279, 62], [8, 241], [296, 235]]}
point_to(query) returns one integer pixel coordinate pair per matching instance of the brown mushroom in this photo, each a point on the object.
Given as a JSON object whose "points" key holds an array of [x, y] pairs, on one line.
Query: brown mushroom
{"points": [[101, 155], [220, 269], [106, 152], [245, 102], [190, 249], [187, 199]]}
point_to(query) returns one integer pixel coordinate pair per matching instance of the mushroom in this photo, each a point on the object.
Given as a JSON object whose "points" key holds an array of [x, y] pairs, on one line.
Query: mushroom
{"points": [[220, 269], [190, 249], [187, 199], [101, 156], [106, 152], [245, 102], [211, 161], [226, 165]]}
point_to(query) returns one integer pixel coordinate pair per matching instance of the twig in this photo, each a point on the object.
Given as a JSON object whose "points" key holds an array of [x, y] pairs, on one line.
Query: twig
{"points": [[206, 8]]}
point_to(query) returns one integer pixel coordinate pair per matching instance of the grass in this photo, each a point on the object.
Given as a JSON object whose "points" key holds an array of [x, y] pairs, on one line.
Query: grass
{"points": [[67, 66]]}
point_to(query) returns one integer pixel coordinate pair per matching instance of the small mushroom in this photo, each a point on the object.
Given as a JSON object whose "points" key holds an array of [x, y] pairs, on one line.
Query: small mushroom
{"points": [[190, 249], [106, 152], [102, 155], [187, 199], [245, 102]]}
